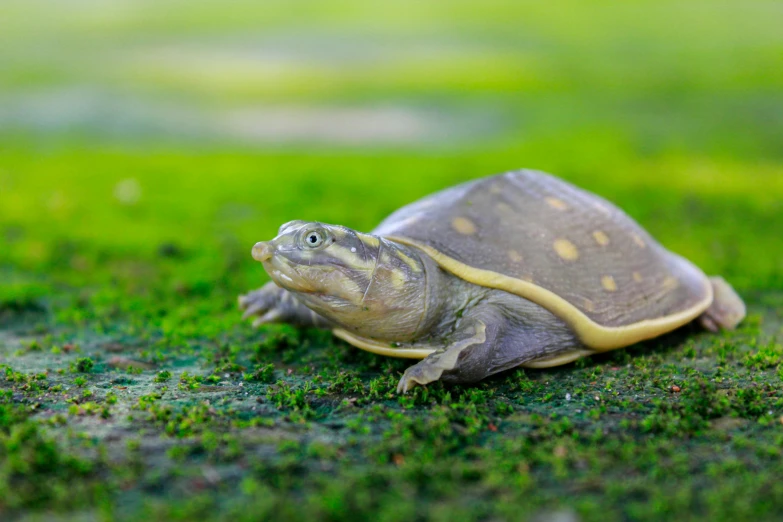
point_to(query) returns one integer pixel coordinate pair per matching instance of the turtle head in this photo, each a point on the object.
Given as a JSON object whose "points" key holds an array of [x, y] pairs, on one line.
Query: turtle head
{"points": [[315, 258], [364, 283]]}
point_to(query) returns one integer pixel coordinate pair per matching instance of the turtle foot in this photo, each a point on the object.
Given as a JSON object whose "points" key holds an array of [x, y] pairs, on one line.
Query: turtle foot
{"points": [[266, 305], [419, 374], [272, 304], [727, 309]]}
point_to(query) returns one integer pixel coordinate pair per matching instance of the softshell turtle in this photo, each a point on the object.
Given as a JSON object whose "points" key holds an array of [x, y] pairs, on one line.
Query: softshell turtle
{"points": [[519, 269]]}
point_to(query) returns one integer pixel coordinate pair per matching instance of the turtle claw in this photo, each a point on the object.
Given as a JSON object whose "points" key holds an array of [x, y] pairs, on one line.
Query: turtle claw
{"points": [[272, 304], [404, 385], [266, 303], [251, 308], [270, 317], [419, 374]]}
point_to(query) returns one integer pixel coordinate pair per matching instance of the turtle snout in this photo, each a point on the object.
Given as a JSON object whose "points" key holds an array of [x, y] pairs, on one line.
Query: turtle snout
{"points": [[262, 251]]}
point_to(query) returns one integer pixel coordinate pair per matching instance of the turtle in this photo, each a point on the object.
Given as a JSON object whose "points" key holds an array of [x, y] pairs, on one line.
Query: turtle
{"points": [[517, 269]]}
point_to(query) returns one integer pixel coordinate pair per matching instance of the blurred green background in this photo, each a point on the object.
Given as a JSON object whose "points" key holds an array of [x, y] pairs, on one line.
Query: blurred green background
{"points": [[125, 125], [145, 145]]}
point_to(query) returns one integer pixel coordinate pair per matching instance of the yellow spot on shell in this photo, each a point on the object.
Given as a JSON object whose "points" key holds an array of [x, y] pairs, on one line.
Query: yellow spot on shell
{"points": [[670, 283], [639, 241], [637, 277], [514, 256], [588, 305], [464, 226], [495, 189], [601, 238], [504, 208], [556, 203], [566, 249], [608, 283]]}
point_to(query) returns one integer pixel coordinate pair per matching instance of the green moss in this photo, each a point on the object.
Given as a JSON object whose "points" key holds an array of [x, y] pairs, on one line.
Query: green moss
{"points": [[189, 382], [83, 365], [163, 376], [35, 470], [263, 374]]}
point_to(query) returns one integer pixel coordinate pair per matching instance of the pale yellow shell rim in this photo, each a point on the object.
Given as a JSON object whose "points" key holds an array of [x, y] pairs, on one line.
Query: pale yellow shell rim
{"points": [[376, 347], [591, 334]]}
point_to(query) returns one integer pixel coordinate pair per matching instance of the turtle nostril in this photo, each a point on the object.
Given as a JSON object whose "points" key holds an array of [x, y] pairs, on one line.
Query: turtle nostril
{"points": [[262, 251]]}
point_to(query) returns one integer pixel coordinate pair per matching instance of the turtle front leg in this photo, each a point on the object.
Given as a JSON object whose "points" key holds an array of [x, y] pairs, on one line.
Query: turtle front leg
{"points": [[272, 304], [467, 356], [447, 359], [491, 339]]}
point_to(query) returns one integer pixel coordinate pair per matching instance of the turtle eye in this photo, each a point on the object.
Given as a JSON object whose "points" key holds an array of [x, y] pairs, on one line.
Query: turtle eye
{"points": [[313, 238]]}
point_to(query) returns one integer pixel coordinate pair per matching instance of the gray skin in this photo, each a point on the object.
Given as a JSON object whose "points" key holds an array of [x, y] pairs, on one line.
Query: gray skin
{"points": [[329, 276]]}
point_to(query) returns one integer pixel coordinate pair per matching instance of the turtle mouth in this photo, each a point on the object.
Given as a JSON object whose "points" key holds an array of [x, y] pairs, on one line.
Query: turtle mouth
{"points": [[285, 275]]}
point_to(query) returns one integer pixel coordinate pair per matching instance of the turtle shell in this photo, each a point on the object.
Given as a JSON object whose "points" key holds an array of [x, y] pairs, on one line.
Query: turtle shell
{"points": [[561, 247]]}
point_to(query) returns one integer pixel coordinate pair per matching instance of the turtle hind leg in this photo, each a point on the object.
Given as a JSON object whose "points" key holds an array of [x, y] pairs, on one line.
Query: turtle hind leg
{"points": [[727, 309]]}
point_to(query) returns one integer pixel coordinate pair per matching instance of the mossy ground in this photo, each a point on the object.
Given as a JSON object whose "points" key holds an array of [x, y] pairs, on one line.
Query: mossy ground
{"points": [[129, 386]]}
